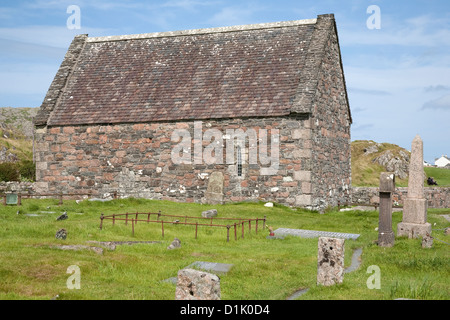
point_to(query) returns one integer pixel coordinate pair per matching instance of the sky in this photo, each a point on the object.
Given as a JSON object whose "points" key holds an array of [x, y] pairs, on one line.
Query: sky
{"points": [[396, 54]]}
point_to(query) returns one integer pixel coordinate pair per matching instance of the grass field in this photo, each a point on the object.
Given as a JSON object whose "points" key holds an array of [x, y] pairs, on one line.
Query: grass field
{"points": [[32, 268], [441, 175]]}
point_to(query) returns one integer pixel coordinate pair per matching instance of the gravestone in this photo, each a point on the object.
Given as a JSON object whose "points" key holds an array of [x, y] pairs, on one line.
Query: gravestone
{"points": [[11, 198], [414, 223], [209, 213], [197, 285], [386, 236], [330, 261], [61, 234], [64, 216], [427, 241], [281, 232], [214, 191], [215, 267], [176, 243]]}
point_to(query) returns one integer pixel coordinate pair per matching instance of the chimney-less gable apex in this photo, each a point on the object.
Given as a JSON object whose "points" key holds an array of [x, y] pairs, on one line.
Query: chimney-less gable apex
{"points": [[59, 82], [324, 28]]}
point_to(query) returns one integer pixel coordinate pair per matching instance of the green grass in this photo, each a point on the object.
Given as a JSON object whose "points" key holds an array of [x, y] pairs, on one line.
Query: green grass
{"points": [[441, 175], [30, 268]]}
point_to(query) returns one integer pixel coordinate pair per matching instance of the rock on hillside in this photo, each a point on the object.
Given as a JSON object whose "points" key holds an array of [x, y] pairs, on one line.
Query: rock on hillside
{"points": [[370, 158], [17, 121], [394, 163], [16, 133]]}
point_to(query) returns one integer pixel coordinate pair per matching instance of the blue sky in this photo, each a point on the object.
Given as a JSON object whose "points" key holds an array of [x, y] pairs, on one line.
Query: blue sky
{"points": [[398, 76]]}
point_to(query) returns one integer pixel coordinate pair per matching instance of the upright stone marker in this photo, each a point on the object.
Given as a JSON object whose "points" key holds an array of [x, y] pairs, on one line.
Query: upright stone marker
{"points": [[386, 236], [197, 285], [214, 192], [414, 222], [330, 261]]}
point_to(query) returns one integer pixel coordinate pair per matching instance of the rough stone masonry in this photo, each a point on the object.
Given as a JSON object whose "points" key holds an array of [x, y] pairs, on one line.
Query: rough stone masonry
{"points": [[330, 261]]}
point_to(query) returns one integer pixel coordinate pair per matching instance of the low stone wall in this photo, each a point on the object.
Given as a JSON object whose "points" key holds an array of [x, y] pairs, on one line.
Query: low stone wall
{"points": [[13, 186], [438, 197]]}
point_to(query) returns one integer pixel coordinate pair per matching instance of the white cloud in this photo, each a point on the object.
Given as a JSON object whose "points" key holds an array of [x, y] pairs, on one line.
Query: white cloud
{"points": [[443, 103], [423, 31]]}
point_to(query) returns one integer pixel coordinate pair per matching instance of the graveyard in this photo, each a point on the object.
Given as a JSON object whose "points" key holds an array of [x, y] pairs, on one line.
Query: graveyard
{"points": [[116, 263]]}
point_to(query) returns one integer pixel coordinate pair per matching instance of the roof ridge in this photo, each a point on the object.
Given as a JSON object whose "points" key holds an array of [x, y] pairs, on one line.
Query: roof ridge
{"points": [[258, 26]]}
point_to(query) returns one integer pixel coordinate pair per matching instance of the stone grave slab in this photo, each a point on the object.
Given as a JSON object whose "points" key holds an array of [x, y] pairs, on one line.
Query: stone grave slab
{"points": [[213, 267], [314, 234], [216, 268]]}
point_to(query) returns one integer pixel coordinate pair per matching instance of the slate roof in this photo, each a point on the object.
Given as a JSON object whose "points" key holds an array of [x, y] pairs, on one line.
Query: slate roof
{"points": [[244, 71]]}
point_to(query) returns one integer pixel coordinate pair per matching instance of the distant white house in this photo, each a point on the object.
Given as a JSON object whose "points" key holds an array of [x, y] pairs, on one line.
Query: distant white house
{"points": [[442, 161], [426, 164]]}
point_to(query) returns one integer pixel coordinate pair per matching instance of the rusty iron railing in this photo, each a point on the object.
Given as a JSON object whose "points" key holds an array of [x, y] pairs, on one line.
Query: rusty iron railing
{"points": [[134, 218]]}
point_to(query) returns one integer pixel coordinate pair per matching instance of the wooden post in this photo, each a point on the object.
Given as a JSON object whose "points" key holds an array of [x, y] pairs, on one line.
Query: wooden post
{"points": [[196, 226], [228, 233], [132, 227], [162, 228], [126, 219], [19, 199], [242, 230], [60, 199], [235, 234], [114, 219], [101, 221], [386, 236]]}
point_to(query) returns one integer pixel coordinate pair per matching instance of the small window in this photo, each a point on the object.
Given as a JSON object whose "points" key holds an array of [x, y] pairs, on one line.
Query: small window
{"points": [[239, 161]]}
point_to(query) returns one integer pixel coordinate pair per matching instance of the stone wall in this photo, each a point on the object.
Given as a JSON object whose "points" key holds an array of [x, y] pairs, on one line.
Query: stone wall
{"points": [[438, 197], [136, 160], [330, 123], [13, 186]]}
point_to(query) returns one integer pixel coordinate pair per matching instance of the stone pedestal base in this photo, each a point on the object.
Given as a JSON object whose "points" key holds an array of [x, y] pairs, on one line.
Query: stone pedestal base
{"points": [[415, 210], [386, 239], [413, 230]]}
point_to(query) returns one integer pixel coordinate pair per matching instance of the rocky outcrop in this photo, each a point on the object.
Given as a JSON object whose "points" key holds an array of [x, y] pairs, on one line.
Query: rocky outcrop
{"points": [[394, 163]]}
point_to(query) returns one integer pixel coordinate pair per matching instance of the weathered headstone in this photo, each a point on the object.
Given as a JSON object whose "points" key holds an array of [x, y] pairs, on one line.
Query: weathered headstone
{"points": [[414, 223], [64, 216], [61, 234], [197, 285], [209, 213], [11, 198], [214, 191], [330, 261], [386, 236], [176, 243], [427, 241]]}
